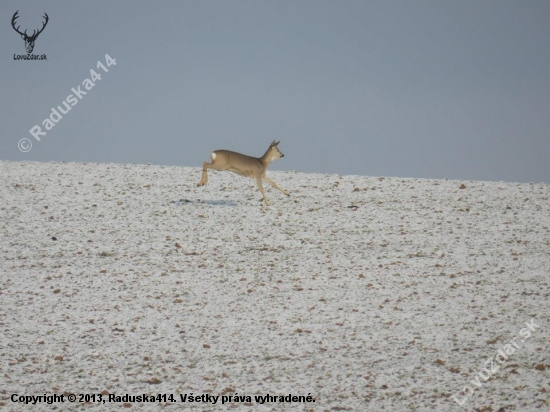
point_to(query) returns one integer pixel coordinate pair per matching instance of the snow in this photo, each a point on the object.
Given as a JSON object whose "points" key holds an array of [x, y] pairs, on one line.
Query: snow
{"points": [[368, 293]]}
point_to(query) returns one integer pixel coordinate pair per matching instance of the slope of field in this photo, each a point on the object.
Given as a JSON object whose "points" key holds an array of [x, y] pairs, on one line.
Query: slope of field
{"points": [[366, 293]]}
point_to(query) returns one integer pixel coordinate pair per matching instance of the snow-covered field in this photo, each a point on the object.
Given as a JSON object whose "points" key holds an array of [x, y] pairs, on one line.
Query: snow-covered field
{"points": [[366, 293]]}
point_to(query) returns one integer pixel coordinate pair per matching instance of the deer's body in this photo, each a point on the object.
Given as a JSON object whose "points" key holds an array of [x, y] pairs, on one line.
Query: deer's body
{"points": [[247, 166]]}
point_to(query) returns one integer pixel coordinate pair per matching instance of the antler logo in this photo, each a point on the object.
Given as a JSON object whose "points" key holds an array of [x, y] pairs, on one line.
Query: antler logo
{"points": [[29, 40]]}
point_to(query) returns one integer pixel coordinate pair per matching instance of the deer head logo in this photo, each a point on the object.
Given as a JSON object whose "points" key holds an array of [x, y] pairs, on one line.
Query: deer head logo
{"points": [[29, 40]]}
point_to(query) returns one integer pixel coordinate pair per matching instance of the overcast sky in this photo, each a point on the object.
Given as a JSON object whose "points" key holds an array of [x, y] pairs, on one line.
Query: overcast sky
{"points": [[409, 88]]}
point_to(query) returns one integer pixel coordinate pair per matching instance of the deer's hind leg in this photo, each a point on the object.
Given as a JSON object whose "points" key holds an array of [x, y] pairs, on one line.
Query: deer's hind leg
{"points": [[204, 177], [205, 166]]}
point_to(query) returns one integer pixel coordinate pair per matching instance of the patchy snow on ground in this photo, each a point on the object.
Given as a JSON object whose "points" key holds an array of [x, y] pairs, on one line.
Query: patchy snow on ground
{"points": [[367, 293]]}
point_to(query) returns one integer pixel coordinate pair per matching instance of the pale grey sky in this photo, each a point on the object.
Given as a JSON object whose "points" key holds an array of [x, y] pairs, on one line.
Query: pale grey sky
{"points": [[410, 88]]}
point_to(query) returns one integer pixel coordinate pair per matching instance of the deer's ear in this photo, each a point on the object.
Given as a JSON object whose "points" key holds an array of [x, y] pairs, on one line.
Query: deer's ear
{"points": [[23, 36]]}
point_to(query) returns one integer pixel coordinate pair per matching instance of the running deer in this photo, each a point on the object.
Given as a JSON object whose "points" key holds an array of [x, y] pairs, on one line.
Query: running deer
{"points": [[244, 165]]}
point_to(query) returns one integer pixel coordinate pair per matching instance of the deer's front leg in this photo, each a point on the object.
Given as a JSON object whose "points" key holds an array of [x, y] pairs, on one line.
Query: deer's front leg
{"points": [[259, 182], [275, 185]]}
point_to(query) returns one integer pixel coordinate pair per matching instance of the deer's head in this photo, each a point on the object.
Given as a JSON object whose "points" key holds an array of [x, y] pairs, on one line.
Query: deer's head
{"points": [[29, 40]]}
